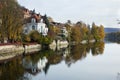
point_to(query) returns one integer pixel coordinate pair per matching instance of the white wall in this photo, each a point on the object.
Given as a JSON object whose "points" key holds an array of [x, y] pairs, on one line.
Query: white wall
{"points": [[40, 27]]}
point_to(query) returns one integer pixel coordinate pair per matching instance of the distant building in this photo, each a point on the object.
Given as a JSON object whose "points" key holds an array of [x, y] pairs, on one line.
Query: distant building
{"points": [[64, 31], [38, 26], [34, 22], [26, 13]]}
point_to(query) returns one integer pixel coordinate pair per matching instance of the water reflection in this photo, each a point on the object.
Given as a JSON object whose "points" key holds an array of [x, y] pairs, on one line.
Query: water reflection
{"points": [[32, 67], [11, 70], [118, 76], [79, 52], [24, 68]]}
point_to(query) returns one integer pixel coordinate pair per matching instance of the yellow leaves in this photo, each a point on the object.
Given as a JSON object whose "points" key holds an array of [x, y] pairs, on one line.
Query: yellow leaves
{"points": [[76, 34], [11, 20], [101, 32]]}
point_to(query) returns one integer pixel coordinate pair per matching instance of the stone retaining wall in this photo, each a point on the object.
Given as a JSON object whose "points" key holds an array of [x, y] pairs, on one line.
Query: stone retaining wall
{"points": [[10, 51], [59, 44], [32, 48], [16, 48]]}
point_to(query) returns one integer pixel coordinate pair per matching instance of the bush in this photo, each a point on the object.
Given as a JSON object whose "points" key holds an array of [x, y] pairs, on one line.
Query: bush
{"points": [[35, 36], [46, 40], [25, 38]]}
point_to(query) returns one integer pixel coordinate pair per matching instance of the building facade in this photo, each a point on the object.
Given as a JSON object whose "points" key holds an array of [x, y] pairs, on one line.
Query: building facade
{"points": [[38, 26], [34, 22]]}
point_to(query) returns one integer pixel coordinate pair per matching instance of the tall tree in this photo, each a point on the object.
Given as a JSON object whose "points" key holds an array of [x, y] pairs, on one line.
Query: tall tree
{"points": [[101, 32], [12, 20], [46, 20], [76, 34], [94, 32]]}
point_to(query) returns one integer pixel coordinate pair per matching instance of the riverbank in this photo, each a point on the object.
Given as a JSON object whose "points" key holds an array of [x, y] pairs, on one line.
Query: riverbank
{"points": [[8, 48], [8, 51], [59, 44]]}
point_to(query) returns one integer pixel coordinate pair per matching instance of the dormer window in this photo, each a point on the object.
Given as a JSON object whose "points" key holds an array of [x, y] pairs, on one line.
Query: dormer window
{"points": [[33, 20]]}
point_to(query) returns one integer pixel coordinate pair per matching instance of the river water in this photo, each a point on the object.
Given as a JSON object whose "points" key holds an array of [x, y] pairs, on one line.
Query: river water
{"points": [[98, 61]]}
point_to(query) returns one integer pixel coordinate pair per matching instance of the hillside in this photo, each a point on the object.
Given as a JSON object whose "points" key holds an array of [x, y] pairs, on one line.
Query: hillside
{"points": [[109, 30]]}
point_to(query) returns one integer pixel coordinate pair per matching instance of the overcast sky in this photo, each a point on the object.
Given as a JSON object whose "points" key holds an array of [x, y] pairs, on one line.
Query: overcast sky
{"points": [[104, 12]]}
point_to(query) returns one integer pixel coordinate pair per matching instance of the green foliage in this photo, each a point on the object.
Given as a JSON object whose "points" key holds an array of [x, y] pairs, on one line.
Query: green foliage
{"points": [[46, 40], [35, 36], [25, 38]]}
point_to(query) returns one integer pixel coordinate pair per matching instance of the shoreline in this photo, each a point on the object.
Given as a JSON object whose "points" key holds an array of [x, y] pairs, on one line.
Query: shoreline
{"points": [[10, 51]]}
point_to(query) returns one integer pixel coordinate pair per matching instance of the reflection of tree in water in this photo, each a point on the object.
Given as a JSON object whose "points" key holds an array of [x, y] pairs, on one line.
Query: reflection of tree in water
{"points": [[118, 76], [79, 52], [11, 70], [15, 70], [69, 55], [97, 48]]}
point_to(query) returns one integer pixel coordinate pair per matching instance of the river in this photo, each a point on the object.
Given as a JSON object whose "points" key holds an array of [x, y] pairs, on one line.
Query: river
{"points": [[98, 61]]}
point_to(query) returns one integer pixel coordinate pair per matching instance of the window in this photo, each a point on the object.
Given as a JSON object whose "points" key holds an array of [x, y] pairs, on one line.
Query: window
{"points": [[33, 27], [26, 31]]}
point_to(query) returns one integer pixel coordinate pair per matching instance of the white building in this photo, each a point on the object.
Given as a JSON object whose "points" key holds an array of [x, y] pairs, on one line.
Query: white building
{"points": [[36, 25]]}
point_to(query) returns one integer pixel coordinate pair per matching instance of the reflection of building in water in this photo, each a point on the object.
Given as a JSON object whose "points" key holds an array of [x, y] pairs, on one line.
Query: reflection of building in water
{"points": [[26, 76], [66, 56], [69, 61], [42, 63], [118, 76], [35, 68]]}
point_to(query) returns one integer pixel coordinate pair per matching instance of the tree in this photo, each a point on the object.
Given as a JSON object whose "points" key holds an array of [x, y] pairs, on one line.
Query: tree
{"points": [[52, 31], [88, 33], [35, 36], [26, 38], [69, 22], [101, 32], [12, 20], [50, 19], [45, 18], [84, 31], [95, 32], [68, 27], [46, 40], [76, 34]]}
